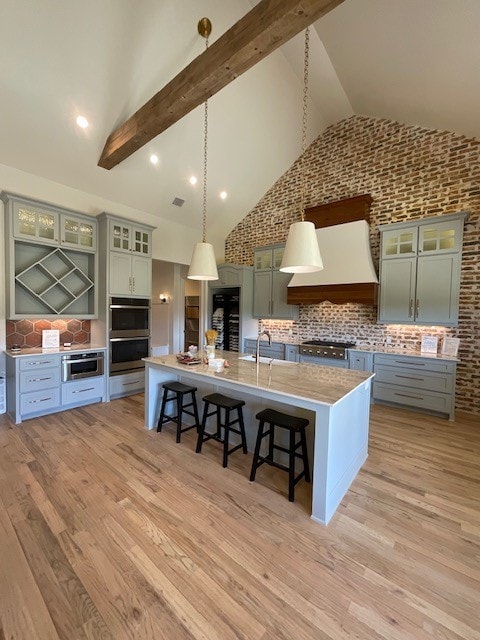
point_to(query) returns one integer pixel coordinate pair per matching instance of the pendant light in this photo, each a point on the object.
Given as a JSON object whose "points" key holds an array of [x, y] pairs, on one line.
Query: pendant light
{"points": [[202, 264], [301, 254]]}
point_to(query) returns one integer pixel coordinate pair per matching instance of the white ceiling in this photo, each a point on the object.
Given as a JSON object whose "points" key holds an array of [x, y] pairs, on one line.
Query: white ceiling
{"points": [[415, 61]]}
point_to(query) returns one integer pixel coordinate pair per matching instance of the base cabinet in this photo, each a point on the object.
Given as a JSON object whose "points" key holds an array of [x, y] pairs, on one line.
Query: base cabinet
{"points": [[127, 384], [35, 388], [360, 360], [415, 382], [275, 350]]}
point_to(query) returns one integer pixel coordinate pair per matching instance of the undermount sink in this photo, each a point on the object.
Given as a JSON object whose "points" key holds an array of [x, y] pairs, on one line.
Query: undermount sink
{"points": [[264, 360]]}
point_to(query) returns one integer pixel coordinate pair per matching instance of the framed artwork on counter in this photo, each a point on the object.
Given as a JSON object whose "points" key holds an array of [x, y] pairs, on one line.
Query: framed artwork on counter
{"points": [[450, 346], [429, 344]]}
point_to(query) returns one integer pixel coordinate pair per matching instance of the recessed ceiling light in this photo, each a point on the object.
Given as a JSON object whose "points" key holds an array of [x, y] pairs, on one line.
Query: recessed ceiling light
{"points": [[193, 180], [154, 158], [82, 122], [223, 195]]}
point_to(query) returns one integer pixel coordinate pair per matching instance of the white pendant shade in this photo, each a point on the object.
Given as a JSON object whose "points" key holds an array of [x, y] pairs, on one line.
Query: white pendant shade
{"points": [[301, 254], [203, 265]]}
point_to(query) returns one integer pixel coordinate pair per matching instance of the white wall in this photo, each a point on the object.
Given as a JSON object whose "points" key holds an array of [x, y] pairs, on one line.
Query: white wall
{"points": [[171, 242]]}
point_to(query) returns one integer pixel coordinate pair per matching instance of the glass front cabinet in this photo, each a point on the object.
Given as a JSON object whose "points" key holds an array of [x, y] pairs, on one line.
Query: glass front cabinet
{"points": [[420, 271], [50, 260]]}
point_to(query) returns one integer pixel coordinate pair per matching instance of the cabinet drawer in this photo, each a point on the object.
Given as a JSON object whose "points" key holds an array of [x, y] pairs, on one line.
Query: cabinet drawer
{"points": [[430, 400], [438, 366], [39, 401], [39, 362], [81, 391], [414, 378], [127, 384], [38, 380]]}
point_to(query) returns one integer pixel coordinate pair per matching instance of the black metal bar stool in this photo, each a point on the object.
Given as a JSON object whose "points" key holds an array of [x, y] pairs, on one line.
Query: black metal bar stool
{"points": [[178, 391], [294, 425], [228, 404]]}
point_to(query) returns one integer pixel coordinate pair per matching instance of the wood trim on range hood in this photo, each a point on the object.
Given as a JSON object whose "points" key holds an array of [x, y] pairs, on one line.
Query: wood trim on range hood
{"points": [[327, 215]]}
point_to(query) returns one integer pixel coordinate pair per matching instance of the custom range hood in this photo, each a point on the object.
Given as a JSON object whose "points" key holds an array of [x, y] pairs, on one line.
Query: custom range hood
{"points": [[343, 236]]}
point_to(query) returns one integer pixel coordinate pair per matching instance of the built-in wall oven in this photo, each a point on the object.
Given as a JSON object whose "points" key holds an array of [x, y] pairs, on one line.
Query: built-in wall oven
{"points": [[129, 317], [126, 354], [129, 334]]}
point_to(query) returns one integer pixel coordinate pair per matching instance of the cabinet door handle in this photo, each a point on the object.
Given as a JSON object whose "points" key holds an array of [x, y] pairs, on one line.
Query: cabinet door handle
{"points": [[397, 375], [82, 390], [126, 384], [410, 308], [40, 379], [133, 283], [417, 307], [39, 400]]}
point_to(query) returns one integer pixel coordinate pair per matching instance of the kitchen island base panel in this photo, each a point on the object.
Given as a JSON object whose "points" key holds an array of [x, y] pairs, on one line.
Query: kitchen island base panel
{"points": [[337, 438]]}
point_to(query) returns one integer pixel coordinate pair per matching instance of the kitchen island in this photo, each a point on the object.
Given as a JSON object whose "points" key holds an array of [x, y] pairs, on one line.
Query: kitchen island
{"points": [[336, 401]]}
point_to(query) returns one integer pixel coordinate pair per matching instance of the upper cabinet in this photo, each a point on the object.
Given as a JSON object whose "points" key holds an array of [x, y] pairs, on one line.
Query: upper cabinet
{"points": [[270, 285], [50, 260], [420, 271], [130, 238], [126, 257]]}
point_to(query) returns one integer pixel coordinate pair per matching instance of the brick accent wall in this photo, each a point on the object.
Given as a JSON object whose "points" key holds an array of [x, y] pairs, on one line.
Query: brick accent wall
{"points": [[411, 173]]}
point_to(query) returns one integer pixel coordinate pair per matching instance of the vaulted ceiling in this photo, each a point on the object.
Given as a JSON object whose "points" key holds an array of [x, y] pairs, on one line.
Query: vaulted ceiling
{"points": [[415, 61]]}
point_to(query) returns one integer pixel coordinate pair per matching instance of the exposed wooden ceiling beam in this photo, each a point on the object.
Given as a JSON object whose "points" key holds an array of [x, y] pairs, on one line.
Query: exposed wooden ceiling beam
{"points": [[262, 30]]}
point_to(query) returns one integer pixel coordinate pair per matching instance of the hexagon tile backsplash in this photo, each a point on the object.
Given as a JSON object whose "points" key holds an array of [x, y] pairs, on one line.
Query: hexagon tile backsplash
{"points": [[28, 333]]}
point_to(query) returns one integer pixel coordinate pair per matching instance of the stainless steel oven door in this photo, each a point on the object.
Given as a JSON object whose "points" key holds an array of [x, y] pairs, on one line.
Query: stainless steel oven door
{"points": [[126, 354], [76, 366], [129, 317]]}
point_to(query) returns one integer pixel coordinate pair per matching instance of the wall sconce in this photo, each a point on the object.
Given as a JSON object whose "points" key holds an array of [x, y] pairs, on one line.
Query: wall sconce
{"points": [[164, 298]]}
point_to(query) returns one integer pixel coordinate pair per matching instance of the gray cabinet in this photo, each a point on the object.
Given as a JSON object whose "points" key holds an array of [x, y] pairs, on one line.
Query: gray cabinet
{"points": [[360, 360], [125, 255], [275, 350], [292, 353], [51, 263], [130, 275], [270, 285], [35, 388], [419, 383], [130, 238], [420, 271], [127, 384]]}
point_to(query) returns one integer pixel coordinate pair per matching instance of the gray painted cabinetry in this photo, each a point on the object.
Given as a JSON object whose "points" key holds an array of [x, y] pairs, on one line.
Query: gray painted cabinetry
{"points": [[420, 271], [51, 260], [35, 389], [125, 257], [270, 285], [417, 383]]}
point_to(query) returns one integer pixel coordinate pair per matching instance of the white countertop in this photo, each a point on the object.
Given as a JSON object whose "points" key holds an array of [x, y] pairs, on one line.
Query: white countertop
{"points": [[36, 351], [324, 385]]}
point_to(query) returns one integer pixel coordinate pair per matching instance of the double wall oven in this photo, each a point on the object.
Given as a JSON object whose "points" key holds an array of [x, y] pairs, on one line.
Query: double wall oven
{"points": [[129, 334]]}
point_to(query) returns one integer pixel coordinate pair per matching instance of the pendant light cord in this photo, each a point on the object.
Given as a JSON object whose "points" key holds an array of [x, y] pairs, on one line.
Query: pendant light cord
{"points": [[205, 139], [304, 122]]}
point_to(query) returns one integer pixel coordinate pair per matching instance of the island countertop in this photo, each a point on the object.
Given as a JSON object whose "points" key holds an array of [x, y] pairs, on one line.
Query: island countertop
{"points": [[323, 385], [335, 401]]}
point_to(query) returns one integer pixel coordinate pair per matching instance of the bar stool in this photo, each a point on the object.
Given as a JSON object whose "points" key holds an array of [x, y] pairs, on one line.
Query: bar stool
{"points": [[294, 425], [178, 391], [228, 404]]}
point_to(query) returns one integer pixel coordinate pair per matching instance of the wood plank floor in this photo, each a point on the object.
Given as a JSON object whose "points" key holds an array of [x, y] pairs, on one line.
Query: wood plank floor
{"points": [[110, 531]]}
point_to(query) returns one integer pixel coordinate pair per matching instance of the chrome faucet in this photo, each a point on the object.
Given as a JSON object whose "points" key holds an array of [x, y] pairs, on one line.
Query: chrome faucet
{"points": [[263, 333]]}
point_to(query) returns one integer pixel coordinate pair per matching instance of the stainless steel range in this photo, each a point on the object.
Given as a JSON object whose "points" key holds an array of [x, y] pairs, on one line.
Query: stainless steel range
{"points": [[326, 352]]}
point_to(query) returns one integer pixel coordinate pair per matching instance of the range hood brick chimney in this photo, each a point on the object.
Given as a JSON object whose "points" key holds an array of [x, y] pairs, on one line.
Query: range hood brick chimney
{"points": [[344, 240]]}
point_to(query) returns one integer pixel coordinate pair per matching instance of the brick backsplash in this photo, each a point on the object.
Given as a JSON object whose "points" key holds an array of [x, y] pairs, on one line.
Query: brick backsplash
{"points": [[411, 173], [28, 333]]}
